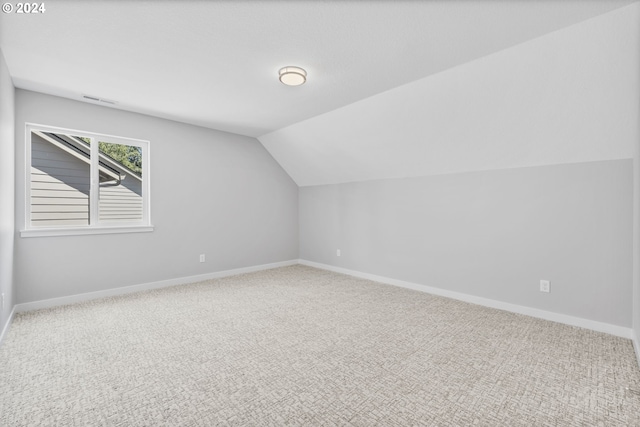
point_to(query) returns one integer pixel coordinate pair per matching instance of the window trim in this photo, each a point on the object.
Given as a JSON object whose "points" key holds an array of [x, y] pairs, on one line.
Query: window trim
{"points": [[95, 226]]}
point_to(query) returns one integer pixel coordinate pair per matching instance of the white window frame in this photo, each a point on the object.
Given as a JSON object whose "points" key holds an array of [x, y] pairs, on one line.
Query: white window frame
{"points": [[95, 225]]}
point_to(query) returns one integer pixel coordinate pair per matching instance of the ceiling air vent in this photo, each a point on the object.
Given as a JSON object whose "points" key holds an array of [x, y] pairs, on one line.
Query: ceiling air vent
{"points": [[96, 99]]}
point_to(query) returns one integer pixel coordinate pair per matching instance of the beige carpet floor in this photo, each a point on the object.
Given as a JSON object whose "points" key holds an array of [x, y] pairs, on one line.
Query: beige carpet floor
{"points": [[300, 346]]}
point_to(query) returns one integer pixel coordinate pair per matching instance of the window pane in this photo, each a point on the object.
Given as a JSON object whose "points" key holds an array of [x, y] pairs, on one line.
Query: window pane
{"points": [[60, 180], [120, 182], [85, 180]]}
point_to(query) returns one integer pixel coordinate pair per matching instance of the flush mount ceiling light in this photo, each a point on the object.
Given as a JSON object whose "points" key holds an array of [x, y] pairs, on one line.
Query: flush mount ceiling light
{"points": [[292, 76]]}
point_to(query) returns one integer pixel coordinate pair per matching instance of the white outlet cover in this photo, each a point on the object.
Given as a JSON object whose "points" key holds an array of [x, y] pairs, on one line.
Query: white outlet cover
{"points": [[545, 286], [337, 252]]}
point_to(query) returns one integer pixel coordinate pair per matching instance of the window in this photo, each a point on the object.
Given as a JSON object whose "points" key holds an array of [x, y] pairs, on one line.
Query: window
{"points": [[81, 183]]}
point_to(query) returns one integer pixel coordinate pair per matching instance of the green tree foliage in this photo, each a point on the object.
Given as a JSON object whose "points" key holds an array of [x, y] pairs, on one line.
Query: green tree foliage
{"points": [[87, 140], [127, 155]]}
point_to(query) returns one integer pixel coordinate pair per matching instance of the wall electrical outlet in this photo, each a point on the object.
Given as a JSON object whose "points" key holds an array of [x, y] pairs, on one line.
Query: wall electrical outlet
{"points": [[337, 252], [201, 257], [545, 286]]}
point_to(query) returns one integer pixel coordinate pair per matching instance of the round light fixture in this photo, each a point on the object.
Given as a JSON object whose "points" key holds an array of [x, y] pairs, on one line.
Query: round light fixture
{"points": [[292, 76]]}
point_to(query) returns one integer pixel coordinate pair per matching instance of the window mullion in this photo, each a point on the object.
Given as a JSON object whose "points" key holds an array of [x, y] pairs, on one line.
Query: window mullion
{"points": [[94, 194], [28, 177]]}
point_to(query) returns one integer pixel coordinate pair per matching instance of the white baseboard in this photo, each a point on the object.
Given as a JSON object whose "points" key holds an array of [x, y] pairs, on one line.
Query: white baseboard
{"points": [[616, 330], [53, 302], [534, 312], [5, 329]]}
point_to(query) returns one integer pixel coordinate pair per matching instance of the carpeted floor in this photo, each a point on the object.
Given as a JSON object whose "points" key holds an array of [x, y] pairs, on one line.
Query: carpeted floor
{"points": [[301, 346]]}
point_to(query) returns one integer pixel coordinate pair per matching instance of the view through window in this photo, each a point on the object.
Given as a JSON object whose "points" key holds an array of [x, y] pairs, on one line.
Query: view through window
{"points": [[86, 180]]}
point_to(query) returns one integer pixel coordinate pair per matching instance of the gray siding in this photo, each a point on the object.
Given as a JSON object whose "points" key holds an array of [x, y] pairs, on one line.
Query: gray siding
{"points": [[122, 202], [59, 187]]}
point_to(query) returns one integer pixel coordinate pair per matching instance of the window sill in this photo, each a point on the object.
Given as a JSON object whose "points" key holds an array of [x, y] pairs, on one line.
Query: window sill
{"points": [[79, 231]]}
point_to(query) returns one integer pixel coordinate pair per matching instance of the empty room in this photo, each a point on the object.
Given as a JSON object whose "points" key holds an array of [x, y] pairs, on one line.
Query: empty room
{"points": [[320, 213]]}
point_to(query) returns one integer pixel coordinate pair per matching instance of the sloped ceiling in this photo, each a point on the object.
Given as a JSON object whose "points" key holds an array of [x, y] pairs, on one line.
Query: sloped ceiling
{"points": [[569, 96], [214, 64]]}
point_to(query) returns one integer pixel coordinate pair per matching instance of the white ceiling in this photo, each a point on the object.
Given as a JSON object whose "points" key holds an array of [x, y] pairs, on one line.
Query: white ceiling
{"points": [[215, 64], [566, 97]]}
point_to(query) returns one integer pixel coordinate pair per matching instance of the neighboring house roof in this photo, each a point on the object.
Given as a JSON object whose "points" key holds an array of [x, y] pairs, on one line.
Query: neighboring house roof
{"points": [[81, 150]]}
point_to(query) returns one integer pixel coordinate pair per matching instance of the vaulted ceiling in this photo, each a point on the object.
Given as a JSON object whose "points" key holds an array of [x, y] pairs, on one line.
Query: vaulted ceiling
{"points": [[215, 64]]}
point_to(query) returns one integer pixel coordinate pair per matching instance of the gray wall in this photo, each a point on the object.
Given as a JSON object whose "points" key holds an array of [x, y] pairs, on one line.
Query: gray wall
{"points": [[211, 192], [491, 234], [636, 251], [6, 191]]}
